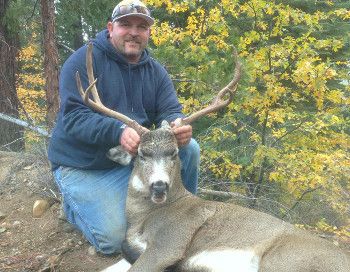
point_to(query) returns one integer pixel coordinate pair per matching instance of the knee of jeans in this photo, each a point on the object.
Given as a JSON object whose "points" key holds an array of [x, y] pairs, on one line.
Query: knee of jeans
{"points": [[110, 242]]}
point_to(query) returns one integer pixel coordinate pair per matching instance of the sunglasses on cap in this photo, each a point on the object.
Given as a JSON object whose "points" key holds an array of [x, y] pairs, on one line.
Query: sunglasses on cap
{"points": [[129, 9]]}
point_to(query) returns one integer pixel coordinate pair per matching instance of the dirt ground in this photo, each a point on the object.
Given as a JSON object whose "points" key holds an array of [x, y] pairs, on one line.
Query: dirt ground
{"points": [[47, 243], [41, 244]]}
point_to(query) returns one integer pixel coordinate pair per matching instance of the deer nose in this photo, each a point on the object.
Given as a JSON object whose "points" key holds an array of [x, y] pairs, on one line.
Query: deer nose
{"points": [[159, 187]]}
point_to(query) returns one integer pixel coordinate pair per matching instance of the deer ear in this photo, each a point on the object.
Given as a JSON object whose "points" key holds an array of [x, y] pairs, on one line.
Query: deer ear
{"points": [[165, 124], [120, 155]]}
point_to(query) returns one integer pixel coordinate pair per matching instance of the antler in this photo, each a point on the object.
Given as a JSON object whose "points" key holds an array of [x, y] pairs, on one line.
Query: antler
{"points": [[96, 103], [218, 102]]}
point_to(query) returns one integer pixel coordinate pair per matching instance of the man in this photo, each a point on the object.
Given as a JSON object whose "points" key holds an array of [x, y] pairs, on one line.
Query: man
{"points": [[93, 187]]}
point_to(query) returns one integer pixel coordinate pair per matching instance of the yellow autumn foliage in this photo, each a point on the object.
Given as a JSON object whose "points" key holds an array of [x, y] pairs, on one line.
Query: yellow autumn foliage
{"points": [[287, 118], [30, 88]]}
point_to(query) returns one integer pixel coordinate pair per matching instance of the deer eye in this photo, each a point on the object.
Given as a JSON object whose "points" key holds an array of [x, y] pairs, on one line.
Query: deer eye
{"points": [[144, 154], [174, 153]]}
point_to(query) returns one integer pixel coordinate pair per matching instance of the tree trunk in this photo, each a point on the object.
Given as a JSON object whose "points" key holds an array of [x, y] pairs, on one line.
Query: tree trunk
{"points": [[11, 135], [51, 68]]}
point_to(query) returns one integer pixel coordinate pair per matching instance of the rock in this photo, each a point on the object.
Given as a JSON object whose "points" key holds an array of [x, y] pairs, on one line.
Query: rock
{"points": [[40, 258], [6, 225], [91, 251], [16, 223], [40, 207], [2, 229]]}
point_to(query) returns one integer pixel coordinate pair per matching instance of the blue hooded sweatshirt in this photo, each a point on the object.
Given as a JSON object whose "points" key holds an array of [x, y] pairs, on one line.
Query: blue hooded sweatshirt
{"points": [[142, 91]]}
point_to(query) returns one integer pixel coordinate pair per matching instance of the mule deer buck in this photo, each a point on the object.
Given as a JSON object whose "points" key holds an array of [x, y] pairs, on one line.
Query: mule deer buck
{"points": [[169, 228]]}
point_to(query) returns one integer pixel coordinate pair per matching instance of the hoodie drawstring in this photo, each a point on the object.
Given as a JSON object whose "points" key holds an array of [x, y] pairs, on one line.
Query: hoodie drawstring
{"points": [[130, 88]]}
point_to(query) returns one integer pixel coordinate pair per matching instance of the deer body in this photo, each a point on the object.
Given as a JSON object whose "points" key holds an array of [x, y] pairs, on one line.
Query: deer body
{"points": [[169, 227]]}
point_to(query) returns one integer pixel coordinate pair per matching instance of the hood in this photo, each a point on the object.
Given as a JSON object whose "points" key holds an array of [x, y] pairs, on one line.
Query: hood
{"points": [[102, 42]]}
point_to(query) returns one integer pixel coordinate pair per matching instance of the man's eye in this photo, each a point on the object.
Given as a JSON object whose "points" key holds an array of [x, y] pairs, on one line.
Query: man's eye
{"points": [[143, 27]]}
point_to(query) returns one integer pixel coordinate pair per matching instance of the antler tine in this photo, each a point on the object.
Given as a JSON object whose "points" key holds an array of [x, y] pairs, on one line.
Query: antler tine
{"points": [[218, 102], [96, 103], [85, 94], [90, 73]]}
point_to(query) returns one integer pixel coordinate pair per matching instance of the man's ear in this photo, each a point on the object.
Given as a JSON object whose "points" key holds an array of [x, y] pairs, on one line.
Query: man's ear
{"points": [[110, 27]]}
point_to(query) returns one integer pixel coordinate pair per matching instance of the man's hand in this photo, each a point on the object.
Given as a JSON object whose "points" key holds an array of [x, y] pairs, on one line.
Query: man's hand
{"points": [[130, 140], [183, 134]]}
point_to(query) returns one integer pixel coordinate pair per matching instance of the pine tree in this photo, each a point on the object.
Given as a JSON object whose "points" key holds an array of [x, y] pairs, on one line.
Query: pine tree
{"points": [[11, 136]]}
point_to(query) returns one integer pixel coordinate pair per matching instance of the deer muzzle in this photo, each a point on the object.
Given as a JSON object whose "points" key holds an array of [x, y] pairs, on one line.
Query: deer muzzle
{"points": [[159, 191]]}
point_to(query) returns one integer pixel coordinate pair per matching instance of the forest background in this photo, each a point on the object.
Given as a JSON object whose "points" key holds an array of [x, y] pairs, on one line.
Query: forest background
{"points": [[282, 146]]}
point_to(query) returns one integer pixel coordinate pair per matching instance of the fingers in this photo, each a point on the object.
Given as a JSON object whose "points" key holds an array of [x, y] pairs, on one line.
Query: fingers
{"points": [[183, 134], [130, 140], [176, 123]]}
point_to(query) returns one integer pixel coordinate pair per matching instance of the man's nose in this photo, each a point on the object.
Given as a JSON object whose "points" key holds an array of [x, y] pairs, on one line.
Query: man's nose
{"points": [[133, 30]]}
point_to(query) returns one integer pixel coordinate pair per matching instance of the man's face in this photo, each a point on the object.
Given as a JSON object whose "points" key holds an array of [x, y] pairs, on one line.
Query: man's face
{"points": [[129, 36]]}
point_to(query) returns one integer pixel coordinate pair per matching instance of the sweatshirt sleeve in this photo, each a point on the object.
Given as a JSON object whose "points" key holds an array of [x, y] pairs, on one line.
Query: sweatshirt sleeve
{"points": [[168, 106], [79, 121]]}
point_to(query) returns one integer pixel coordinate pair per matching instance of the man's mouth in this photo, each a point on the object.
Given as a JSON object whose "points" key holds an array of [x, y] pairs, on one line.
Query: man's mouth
{"points": [[132, 42]]}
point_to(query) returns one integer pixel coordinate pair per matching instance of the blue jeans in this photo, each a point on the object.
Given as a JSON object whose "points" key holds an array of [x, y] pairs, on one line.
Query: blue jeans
{"points": [[94, 200]]}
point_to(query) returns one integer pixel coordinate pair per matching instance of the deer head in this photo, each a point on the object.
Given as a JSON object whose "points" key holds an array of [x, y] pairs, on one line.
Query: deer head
{"points": [[157, 165]]}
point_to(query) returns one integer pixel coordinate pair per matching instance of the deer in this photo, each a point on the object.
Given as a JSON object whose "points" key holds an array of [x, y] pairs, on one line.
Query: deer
{"points": [[170, 229]]}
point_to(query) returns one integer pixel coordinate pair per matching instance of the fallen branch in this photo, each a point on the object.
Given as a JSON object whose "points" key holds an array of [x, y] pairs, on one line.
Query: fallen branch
{"points": [[25, 124], [220, 193]]}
